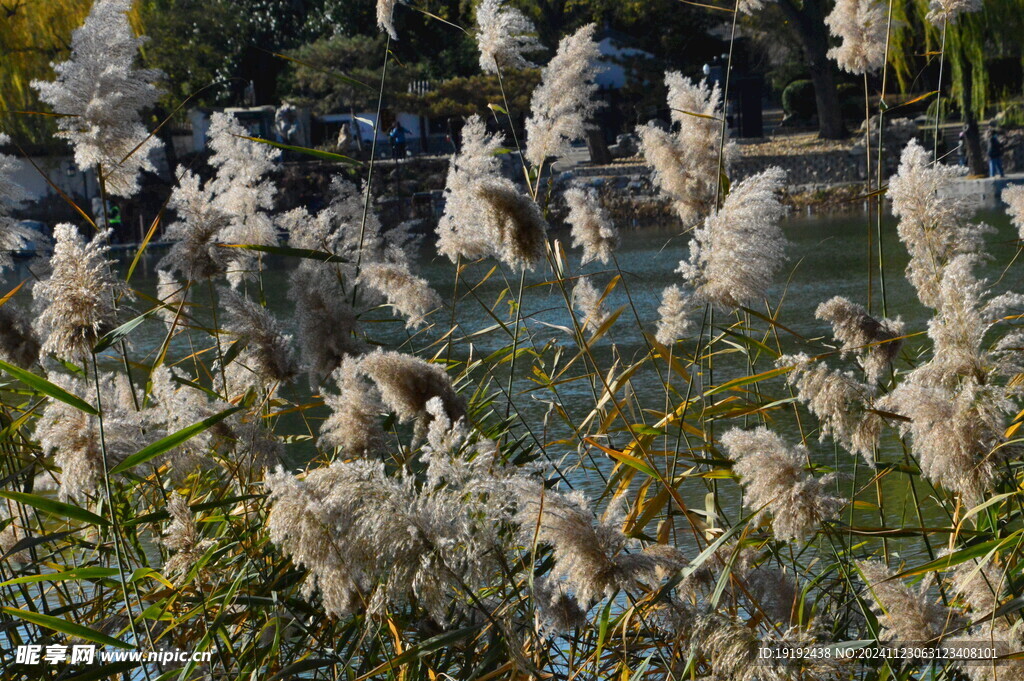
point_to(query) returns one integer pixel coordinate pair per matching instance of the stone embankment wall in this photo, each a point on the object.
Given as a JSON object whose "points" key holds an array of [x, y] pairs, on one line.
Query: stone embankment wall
{"points": [[818, 168]]}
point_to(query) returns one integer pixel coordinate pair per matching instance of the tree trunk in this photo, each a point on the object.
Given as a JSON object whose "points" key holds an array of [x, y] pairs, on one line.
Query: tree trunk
{"points": [[808, 21], [599, 154], [975, 156]]}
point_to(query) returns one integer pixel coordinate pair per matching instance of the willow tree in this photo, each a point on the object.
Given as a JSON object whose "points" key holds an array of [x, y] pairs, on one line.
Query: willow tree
{"points": [[33, 35], [959, 57]]}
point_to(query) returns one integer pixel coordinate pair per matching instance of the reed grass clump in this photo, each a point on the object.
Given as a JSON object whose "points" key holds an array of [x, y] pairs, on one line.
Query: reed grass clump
{"points": [[311, 461]]}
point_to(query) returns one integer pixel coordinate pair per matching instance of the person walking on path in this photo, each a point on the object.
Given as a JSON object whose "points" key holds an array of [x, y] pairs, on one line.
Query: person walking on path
{"points": [[396, 135], [995, 153], [961, 148]]}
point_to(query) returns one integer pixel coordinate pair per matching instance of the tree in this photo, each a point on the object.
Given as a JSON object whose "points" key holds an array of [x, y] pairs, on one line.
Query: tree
{"points": [[32, 36], [807, 19], [972, 41]]}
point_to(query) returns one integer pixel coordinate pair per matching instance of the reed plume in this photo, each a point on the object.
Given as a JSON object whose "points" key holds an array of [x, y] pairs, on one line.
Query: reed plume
{"points": [[948, 11], [102, 96], [564, 100], [588, 301], [592, 229], [862, 26], [904, 614], [407, 384], [772, 474], [77, 301], [386, 17], [242, 191], [934, 228], [184, 540], [841, 403], [685, 164], [874, 341], [326, 324], [73, 436], [195, 253], [1013, 197], [355, 421], [674, 323], [461, 231], [736, 252], [504, 35], [268, 355]]}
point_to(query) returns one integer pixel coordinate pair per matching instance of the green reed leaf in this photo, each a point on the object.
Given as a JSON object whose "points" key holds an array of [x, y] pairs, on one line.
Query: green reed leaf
{"points": [[65, 627], [78, 573], [122, 331], [41, 385], [54, 507], [171, 441]]}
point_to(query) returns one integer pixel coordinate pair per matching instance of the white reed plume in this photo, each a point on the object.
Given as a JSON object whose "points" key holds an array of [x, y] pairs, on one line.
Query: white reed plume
{"points": [[587, 299], [515, 220], [172, 295], [410, 295], [945, 11], [325, 321], [256, 448], [957, 411], [461, 231], [954, 432], [982, 587], [19, 344], [772, 474], [371, 542], [407, 384], [340, 229], [174, 406], [184, 539], [872, 340], [591, 554], [304, 523], [72, 436], [674, 323], [592, 229], [485, 213], [686, 163], [242, 191], [268, 353], [564, 100], [748, 7], [77, 301], [736, 252], [840, 402], [1013, 197], [504, 35], [862, 25], [12, 236], [15, 531], [355, 420], [732, 649], [195, 254], [386, 17], [904, 614], [933, 228], [102, 95], [557, 608]]}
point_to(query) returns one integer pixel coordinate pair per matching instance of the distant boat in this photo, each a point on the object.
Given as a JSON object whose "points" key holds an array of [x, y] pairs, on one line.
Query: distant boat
{"points": [[41, 245]]}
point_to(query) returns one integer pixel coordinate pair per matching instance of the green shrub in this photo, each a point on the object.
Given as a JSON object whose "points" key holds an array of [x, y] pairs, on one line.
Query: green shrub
{"points": [[851, 102], [798, 99]]}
